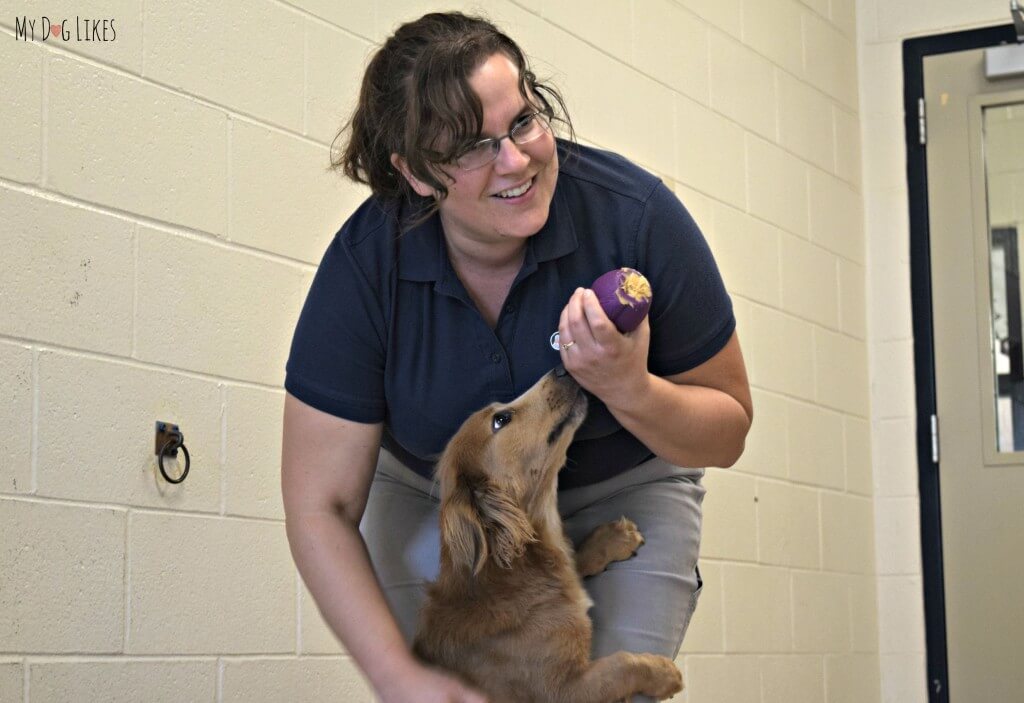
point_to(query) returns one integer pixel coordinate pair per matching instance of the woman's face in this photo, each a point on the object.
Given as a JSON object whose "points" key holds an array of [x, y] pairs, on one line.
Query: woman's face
{"points": [[475, 210]]}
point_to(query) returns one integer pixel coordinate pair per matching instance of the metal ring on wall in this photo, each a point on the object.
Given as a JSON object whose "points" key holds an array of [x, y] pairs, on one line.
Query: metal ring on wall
{"points": [[171, 450], [173, 440]]}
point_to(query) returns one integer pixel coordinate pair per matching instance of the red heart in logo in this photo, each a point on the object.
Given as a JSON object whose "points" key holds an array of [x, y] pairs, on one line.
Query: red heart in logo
{"points": [[55, 30]]}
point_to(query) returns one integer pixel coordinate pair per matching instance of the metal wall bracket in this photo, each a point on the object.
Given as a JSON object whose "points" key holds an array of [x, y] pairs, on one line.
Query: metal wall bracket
{"points": [[166, 433], [169, 440]]}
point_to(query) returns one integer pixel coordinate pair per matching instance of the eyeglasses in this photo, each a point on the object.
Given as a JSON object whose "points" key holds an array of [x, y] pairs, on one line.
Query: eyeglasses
{"points": [[525, 130]]}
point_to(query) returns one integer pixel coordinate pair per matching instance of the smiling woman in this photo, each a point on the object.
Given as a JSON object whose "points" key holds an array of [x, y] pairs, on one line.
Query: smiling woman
{"points": [[437, 298], [510, 198], [423, 108]]}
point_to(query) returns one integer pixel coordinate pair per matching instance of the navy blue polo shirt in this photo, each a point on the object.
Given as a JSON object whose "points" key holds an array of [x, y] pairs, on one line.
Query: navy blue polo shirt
{"points": [[389, 334]]}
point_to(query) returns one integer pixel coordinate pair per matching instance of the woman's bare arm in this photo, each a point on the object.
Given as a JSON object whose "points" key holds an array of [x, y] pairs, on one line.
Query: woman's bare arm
{"points": [[327, 466]]}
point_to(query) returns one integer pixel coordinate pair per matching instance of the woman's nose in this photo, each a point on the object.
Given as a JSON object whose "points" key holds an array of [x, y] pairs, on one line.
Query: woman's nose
{"points": [[511, 156]]}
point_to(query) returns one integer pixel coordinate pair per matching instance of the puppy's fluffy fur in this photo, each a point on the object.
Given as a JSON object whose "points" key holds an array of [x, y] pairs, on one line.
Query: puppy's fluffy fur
{"points": [[508, 612]]}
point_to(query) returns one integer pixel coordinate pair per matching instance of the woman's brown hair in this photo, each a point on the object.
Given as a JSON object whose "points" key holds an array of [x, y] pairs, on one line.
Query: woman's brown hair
{"points": [[416, 101]]}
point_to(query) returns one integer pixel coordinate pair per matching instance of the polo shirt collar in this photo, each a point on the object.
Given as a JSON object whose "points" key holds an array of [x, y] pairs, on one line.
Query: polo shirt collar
{"points": [[421, 251], [422, 254], [558, 235]]}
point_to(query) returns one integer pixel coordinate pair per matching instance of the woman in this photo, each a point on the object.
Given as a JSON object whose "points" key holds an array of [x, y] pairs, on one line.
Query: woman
{"points": [[439, 295]]}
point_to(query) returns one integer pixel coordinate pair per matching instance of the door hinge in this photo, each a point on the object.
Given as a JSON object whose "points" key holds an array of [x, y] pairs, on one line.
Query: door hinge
{"points": [[922, 133], [935, 439]]}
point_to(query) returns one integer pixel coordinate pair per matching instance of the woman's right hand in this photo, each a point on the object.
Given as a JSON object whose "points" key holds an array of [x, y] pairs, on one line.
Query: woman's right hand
{"points": [[426, 685]]}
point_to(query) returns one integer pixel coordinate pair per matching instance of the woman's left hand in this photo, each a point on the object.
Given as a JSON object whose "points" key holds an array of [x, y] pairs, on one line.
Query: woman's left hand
{"points": [[604, 361]]}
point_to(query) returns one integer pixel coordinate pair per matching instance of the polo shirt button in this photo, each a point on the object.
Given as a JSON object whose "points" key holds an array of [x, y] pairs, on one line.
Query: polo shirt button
{"points": [[510, 308], [496, 358]]}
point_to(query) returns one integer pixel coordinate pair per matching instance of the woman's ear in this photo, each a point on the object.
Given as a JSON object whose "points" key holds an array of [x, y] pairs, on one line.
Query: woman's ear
{"points": [[419, 186]]}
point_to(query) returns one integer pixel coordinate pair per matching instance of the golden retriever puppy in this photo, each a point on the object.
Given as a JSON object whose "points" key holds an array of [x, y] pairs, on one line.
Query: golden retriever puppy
{"points": [[508, 612]]}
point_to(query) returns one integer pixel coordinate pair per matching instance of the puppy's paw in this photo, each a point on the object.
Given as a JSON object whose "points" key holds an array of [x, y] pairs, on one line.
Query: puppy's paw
{"points": [[621, 538], [665, 678], [612, 541]]}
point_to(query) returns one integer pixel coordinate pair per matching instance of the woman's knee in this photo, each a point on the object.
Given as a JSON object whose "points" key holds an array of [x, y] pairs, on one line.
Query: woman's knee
{"points": [[641, 612]]}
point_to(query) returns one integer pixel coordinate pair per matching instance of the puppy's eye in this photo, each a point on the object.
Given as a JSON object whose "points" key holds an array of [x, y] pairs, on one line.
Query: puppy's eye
{"points": [[501, 419]]}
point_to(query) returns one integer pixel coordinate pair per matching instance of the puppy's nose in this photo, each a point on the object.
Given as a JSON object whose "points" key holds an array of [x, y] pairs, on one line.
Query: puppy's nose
{"points": [[560, 371]]}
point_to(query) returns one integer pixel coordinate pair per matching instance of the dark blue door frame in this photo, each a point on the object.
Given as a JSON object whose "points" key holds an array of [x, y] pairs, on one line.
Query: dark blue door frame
{"points": [[914, 53]]}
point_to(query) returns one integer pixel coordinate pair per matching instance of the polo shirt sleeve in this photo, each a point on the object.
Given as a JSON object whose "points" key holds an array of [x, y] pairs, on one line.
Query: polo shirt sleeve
{"points": [[691, 313], [336, 363]]}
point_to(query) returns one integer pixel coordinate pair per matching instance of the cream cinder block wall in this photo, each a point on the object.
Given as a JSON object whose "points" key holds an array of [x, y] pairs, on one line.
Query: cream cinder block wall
{"points": [[883, 26], [164, 205]]}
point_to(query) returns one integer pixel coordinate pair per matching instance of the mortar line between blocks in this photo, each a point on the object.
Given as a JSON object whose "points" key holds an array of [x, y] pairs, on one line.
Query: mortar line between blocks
{"points": [[851, 620], [220, 679], [757, 515], [760, 677], [140, 509], [308, 15], [133, 349], [140, 363], [223, 448], [741, 39], [196, 98], [723, 626], [227, 172], [47, 658], [235, 111], [34, 481], [127, 581], [803, 45], [821, 532], [746, 190], [792, 611], [824, 676], [676, 146], [632, 34], [165, 226], [778, 105], [298, 613], [834, 119]]}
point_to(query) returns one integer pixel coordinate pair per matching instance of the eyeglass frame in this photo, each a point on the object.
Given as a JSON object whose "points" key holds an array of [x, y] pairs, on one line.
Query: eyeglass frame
{"points": [[540, 115]]}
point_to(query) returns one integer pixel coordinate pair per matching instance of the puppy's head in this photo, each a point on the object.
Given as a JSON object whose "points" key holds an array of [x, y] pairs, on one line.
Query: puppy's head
{"points": [[502, 459]]}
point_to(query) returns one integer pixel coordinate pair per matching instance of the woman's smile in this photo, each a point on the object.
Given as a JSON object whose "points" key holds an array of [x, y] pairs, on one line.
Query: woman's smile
{"points": [[516, 194]]}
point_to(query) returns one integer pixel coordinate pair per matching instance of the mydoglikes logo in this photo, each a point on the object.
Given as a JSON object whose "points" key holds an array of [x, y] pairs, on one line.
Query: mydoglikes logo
{"points": [[78, 29]]}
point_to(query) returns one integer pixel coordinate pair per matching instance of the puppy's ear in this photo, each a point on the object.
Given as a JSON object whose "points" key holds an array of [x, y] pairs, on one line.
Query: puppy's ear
{"points": [[480, 521], [506, 526], [461, 528]]}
